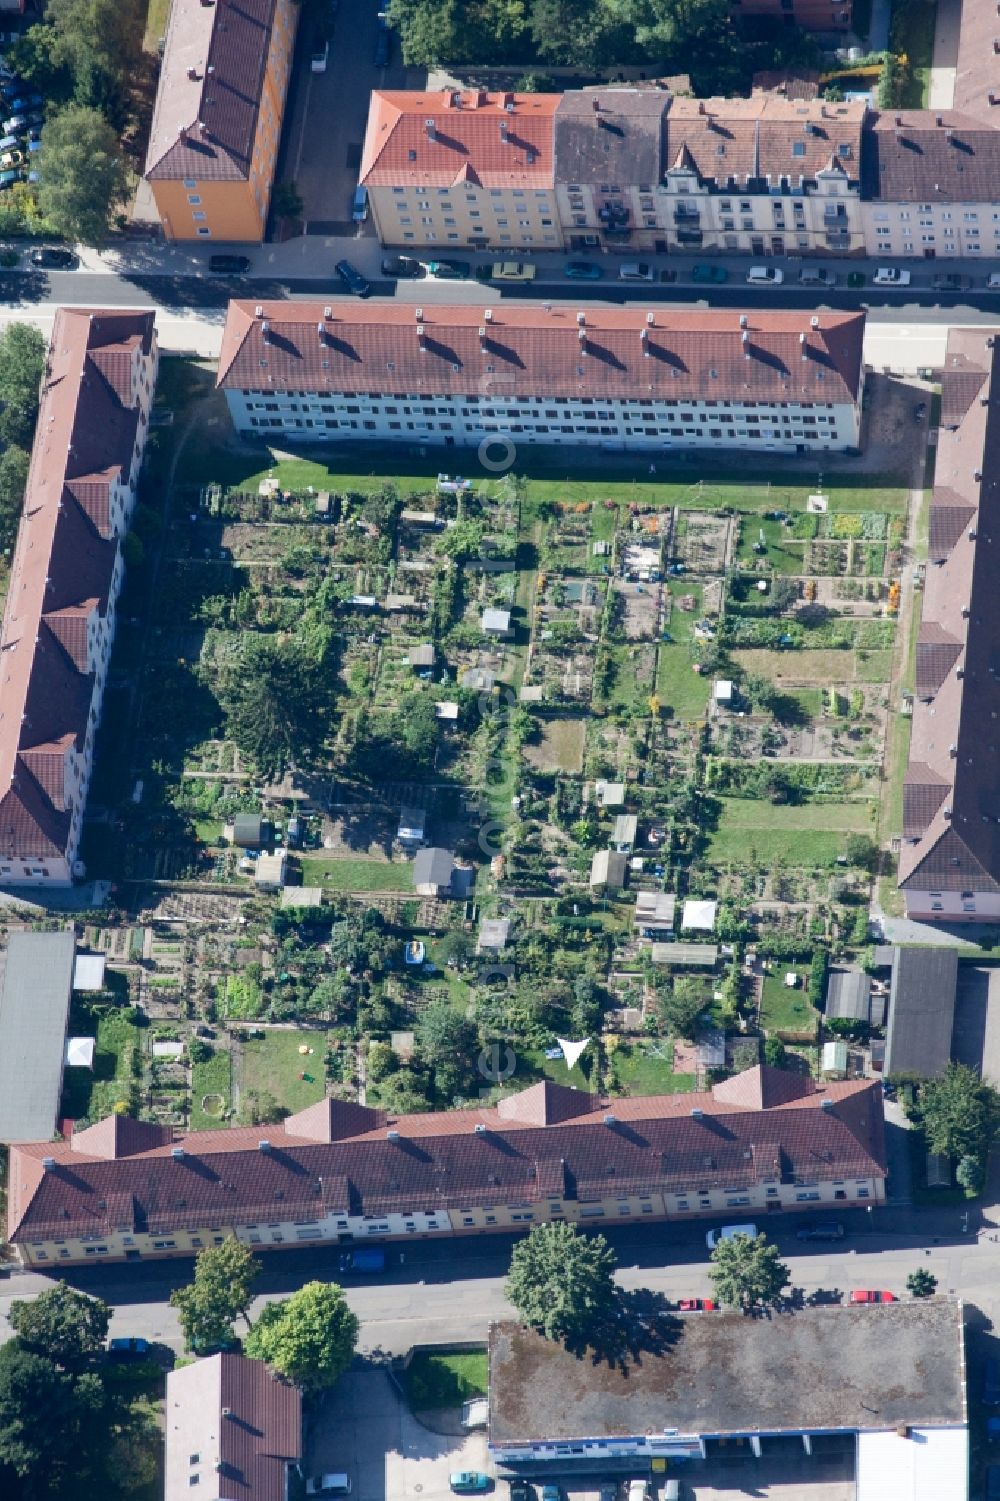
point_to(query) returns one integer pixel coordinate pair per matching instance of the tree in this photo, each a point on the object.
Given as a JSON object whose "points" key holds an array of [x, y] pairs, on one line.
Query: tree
{"points": [[22, 361], [51, 1423], [258, 1107], [14, 464], [861, 851], [562, 1283], [921, 1283], [310, 1338], [286, 201], [681, 1006], [83, 179], [220, 1291], [67, 1326], [746, 1272], [960, 1114], [774, 1052], [969, 1175], [418, 727], [380, 1062], [448, 1042], [277, 703]]}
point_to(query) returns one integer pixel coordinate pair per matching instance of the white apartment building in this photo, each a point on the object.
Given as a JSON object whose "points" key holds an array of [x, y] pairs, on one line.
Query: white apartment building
{"points": [[930, 185], [617, 379], [452, 169], [59, 617]]}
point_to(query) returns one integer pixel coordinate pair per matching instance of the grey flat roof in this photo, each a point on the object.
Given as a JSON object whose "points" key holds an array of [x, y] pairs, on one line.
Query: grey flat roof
{"points": [[34, 1010], [921, 1011], [842, 1367], [685, 953]]}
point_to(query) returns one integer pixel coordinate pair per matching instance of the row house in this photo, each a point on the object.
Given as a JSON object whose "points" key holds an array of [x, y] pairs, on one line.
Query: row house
{"points": [[617, 379], [340, 1172], [452, 168], [949, 858], [213, 144], [66, 573]]}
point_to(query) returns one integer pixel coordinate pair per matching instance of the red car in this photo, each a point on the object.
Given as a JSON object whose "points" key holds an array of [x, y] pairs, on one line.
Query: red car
{"points": [[697, 1305], [867, 1295]]}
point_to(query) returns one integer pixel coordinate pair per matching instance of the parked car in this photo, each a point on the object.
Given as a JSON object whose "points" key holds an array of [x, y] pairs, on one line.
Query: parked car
{"points": [[552, 1492], [127, 1349], [825, 1230], [228, 1344], [449, 270], [521, 1490], [991, 1383], [54, 256], [817, 276], [359, 208], [583, 271], [383, 45], [870, 1295], [334, 1483], [948, 281], [765, 276], [471, 1482], [697, 1305], [636, 271], [891, 276], [713, 275], [320, 58], [229, 265], [355, 283], [727, 1232], [993, 281], [638, 1490], [11, 158], [401, 268], [513, 271]]}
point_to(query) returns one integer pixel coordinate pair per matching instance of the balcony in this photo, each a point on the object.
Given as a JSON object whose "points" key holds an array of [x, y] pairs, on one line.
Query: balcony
{"points": [[613, 215], [837, 239], [686, 236], [687, 214]]}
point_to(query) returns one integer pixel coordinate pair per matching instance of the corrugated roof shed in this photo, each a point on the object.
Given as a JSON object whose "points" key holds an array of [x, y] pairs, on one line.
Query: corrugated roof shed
{"points": [[34, 1008], [848, 995]]}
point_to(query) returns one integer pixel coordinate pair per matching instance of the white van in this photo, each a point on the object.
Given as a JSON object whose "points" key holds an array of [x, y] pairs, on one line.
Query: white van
{"points": [[727, 1232], [636, 271]]}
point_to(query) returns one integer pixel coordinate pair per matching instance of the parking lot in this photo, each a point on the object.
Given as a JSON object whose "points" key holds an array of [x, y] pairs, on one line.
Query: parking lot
{"points": [[365, 1428], [327, 113]]}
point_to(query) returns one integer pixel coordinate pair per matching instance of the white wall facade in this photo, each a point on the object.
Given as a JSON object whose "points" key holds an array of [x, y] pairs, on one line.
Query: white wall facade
{"points": [[932, 230], [592, 422], [953, 906], [466, 214]]}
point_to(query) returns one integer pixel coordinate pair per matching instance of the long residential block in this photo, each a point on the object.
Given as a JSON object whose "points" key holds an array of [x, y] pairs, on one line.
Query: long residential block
{"points": [[59, 617], [619, 379], [949, 859], [213, 144], [341, 1172]]}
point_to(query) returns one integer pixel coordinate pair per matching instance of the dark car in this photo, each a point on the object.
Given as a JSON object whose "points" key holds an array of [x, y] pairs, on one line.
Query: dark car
{"points": [[402, 268], [521, 1490], [229, 265], [947, 281], [827, 1230], [711, 274], [352, 279], [450, 270], [583, 271], [127, 1349], [229, 1344], [51, 255], [991, 1383]]}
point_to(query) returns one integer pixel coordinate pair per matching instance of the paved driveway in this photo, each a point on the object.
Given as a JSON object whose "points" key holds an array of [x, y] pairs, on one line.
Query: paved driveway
{"points": [[365, 1428]]}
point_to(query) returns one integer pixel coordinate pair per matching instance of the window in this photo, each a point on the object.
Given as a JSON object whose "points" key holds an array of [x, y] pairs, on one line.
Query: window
{"points": [[203, 231], [194, 198], [190, 182], [195, 1459]]}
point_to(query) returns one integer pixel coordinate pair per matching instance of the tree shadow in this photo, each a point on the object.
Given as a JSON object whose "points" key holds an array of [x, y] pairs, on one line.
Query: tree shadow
{"points": [[640, 1322]]}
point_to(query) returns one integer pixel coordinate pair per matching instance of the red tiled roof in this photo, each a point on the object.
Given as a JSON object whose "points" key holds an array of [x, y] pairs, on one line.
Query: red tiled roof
{"points": [[442, 1160], [63, 561], [240, 1419], [438, 139], [766, 136], [211, 82], [544, 351], [918, 156]]}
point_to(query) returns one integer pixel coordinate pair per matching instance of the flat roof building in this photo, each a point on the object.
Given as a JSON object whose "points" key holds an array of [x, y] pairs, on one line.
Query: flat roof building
{"points": [[35, 989], [890, 1375]]}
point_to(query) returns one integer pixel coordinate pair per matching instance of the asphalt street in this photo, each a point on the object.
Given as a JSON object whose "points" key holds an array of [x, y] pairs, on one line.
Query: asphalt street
{"points": [[454, 1289]]}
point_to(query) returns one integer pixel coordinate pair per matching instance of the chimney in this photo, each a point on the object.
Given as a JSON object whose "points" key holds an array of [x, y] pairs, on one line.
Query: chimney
{"points": [[328, 312], [48, 1163], [814, 321], [420, 314], [504, 133], [803, 346], [826, 1105], [701, 106], [697, 1113], [939, 121], [480, 1128], [581, 319], [487, 315], [258, 311], [430, 130], [644, 341], [482, 337], [264, 1146], [193, 74], [582, 336], [227, 1412], [745, 340], [177, 1153], [610, 1120], [321, 331], [744, 321], [508, 103], [392, 1136], [265, 329], [650, 320], [899, 118], [421, 341]]}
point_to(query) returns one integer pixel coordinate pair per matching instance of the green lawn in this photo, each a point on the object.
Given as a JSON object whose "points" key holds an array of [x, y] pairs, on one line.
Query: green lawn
{"points": [[532, 1065], [912, 33], [647, 1068], [784, 1009], [445, 1378], [213, 1077], [93, 1095], [156, 23], [677, 684], [811, 834], [272, 1065], [355, 873], [784, 553]]}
